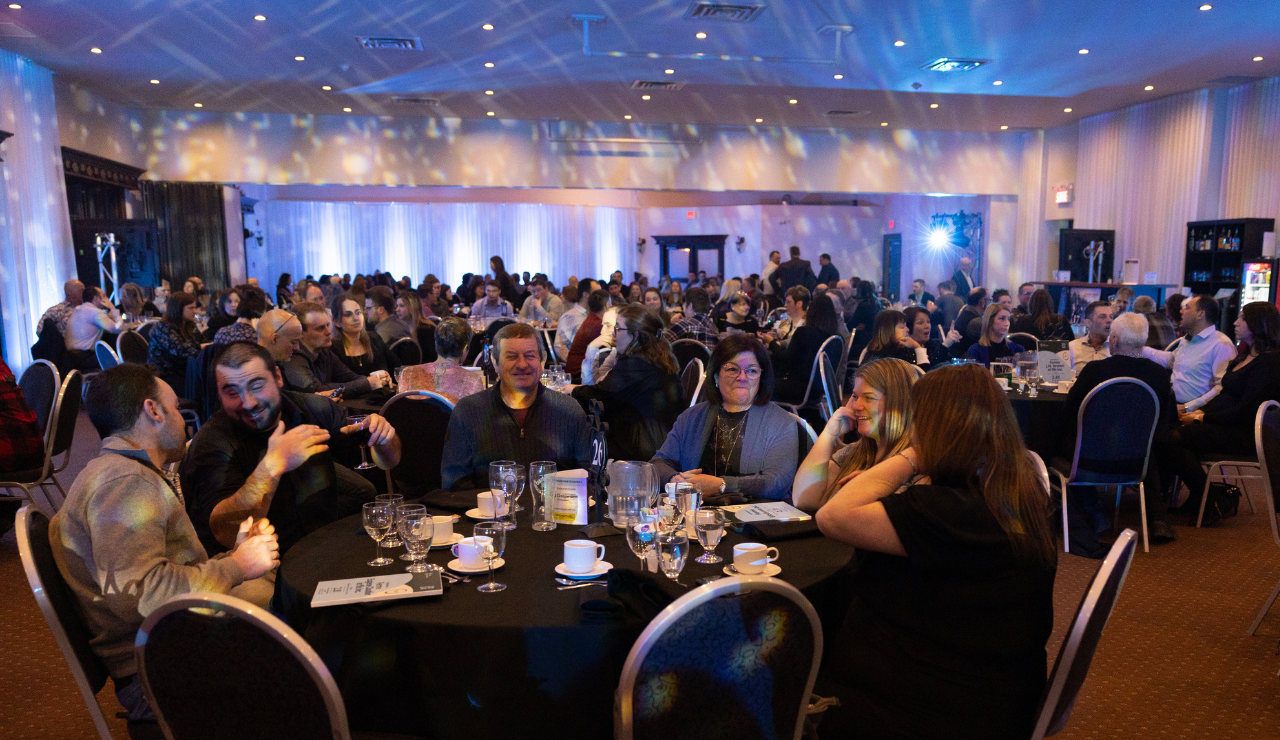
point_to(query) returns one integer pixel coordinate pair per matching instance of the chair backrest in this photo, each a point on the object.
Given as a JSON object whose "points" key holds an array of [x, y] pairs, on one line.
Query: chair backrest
{"points": [[132, 347], [66, 410], [39, 384], [107, 357], [775, 315], [692, 379], [1114, 428], [145, 329], [764, 627], [427, 341], [1043, 471], [830, 386], [407, 351], [420, 419], [1077, 649], [806, 427], [687, 350], [1267, 439], [830, 348], [61, 612], [1025, 340], [270, 683], [1173, 345], [553, 357]]}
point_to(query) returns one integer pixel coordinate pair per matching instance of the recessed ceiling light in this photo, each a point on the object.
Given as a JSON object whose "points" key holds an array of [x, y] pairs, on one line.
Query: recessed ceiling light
{"points": [[899, 43], [326, 87], [15, 6], [759, 120], [1257, 59], [644, 97], [1084, 51], [299, 59], [96, 50], [346, 110], [933, 105], [669, 71], [700, 35], [884, 123], [1066, 110], [793, 101], [491, 113], [259, 17], [998, 82], [839, 77], [1206, 6], [199, 105], [627, 117], [1004, 128], [1149, 87], [488, 92], [487, 26], [155, 82], [488, 64]]}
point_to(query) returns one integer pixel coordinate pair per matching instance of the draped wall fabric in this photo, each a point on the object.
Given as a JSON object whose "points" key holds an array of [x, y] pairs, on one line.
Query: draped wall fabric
{"points": [[447, 239], [1140, 171], [1251, 157], [36, 256], [193, 231]]}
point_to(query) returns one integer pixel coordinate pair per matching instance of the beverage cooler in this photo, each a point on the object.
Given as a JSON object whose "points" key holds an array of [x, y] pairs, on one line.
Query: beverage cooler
{"points": [[1258, 282]]}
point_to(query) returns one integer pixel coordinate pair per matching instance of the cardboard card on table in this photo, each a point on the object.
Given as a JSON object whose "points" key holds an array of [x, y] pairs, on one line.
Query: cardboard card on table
{"points": [[766, 511], [1053, 368], [569, 505], [377, 588]]}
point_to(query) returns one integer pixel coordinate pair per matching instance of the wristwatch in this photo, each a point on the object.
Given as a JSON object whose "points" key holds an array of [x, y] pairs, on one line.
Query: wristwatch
{"points": [[722, 486]]}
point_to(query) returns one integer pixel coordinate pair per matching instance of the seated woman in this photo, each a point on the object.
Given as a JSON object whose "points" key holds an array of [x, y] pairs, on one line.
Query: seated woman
{"points": [[738, 442], [938, 353], [890, 337], [738, 318], [1041, 321], [446, 375], [423, 330], [794, 363], [653, 300], [253, 303], [1225, 423], [284, 296], [675, 298], [173, 340], [863, 316], [362, 351], [134, 304], [880, 411], [721, 307], [994, 344], [195, 286], [642, 395], [953, 592], [223, 312]]}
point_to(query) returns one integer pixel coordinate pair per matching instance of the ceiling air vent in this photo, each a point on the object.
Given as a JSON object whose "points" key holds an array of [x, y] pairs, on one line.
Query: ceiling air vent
{"points": [[429, 102], [733, 12], [656, 85], [951, 64], [847, 113], [383, 43]]}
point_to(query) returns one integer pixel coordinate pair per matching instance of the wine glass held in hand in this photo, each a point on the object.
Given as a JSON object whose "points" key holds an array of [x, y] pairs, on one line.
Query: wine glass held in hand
{"points": [[709, 524], [491, 539], [377, 523], [361, 435]]}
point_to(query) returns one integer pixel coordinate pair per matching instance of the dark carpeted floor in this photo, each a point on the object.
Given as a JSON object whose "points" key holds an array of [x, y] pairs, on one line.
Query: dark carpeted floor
{"points": [[1175, 661]]}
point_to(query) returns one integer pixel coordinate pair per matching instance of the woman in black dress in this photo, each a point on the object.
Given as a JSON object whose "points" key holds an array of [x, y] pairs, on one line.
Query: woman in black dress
{"points": [[362, 351], [173, 340], [937, 352], [1040, 320], [738, 317], [794, 363]]}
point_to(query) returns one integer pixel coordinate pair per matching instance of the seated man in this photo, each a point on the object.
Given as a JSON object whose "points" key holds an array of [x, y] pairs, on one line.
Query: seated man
{"points": [[267, 452], [314, 367], [122, 540], [517, 419], [382, 316], [85, 327], [60, 314], [969, 321], [446, 375], [572, 318], [696, 323], [1094, 344], [493, 305], [542, 304], [1127, 339], [280, 333], [1200, 359]]}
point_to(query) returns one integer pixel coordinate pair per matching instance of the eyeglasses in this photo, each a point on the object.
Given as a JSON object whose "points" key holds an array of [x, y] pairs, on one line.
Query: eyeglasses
{"points": [[352, 314], [733, 371]]}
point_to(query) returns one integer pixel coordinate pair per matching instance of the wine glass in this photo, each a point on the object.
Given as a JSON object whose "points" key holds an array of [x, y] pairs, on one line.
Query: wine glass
{"points": [[709, 524], [361, 435], [491, 538], [502, 481], [515, 506], [673, 549], [377, 522], [688, 499], [669, 519], [641, 538], [394, 500], [542, 476], [417, 528]]}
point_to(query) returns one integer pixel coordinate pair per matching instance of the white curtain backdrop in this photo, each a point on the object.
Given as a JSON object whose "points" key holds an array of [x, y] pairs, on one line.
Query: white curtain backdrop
{"points": [[447, 239], [1140, 171], [35, 231], [1251, 157]]}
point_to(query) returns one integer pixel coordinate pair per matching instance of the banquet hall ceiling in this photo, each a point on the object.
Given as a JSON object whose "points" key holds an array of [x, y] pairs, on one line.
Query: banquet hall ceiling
{"points": [[214, 53]]}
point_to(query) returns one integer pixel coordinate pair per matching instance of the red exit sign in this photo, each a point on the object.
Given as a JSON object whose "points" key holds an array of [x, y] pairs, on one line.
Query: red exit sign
{"points": [[690, 214]]}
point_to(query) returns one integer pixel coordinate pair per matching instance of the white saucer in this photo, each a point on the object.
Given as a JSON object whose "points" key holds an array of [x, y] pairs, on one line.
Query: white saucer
{"points": [[475, 514], [455, 539], [769, 570], [601, 568], [456, 566]]}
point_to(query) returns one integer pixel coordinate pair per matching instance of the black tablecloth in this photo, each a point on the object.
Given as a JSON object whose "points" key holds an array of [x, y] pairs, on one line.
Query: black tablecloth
{"points": [[521, 663], [1040, 420]]}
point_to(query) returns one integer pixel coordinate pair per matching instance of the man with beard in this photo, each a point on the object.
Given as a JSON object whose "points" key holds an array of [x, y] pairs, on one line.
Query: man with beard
{"points": [[266, 453]]}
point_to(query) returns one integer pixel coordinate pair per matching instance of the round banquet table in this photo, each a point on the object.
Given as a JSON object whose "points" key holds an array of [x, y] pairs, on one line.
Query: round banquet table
{"points": [[1040, 420], [520, 663]]}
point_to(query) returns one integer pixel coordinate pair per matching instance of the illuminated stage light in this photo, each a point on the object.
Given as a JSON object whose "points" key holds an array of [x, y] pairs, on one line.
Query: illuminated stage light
{"points": [[939, 238]]}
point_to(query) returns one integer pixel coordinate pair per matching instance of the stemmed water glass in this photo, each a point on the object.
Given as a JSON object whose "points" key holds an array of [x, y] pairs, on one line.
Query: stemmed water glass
{"points": [[515, 506], [672, 550], [502, 484], [709, 524], [642, 538], [542, 481], [377, 522], [491, 539], [417, 528], [361, 435], [394, 500]]}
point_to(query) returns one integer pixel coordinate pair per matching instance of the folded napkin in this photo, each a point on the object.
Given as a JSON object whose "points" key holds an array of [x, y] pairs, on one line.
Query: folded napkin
{"points": [[458, 502], [777, 531]]}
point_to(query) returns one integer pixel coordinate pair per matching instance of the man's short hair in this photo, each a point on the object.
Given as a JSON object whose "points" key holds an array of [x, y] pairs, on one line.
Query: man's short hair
{"points": [[239, 354], [918, 280], [1212, 311], [115, 397], [1088, 310], [1125, 292], [515, 331], [383, 298], [597, 301], [494, 283], [569, 294], [947, 285], [302, 308], [1000, 293], [775, 252], [453, 337], [1026, 285], [1131, 329], [795, 251], [541, 281], [1144, 304], [699, 298], [826, 257], [801, 295], [977, 296]]}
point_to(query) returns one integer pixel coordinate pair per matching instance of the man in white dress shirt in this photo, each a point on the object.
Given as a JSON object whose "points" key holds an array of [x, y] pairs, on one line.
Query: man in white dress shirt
{"points": [[775, 259], [1200, 359], [570, 320], [1094, 345], [85, 328]]}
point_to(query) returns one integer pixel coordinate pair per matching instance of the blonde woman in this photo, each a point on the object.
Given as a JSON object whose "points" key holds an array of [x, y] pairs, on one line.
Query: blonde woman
{"points": [[880, 410], [994, 344]]}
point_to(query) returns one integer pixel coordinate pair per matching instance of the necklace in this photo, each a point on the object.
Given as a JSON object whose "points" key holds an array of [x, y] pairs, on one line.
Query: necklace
{"points": [[726, 437]]}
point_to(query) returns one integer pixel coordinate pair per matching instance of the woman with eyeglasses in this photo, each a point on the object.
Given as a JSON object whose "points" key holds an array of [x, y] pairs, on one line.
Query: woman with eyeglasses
{"points": [[642, 396], [739, 318], [362, 351], [738, 445]]}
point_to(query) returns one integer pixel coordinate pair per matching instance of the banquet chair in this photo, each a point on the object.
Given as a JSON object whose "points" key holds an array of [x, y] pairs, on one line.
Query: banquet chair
{"points": [[132, 347], [553, 357], [270, 683], [687, 350], [58, 606], [776, 315], [830, 400], [145, 329], [426, 334], [420, 419], [406, 351], [734, 658], [1222, 461], [810, 399], [1267, 438], [1025, 340], [1043, 471], [1076, 653], [107, 356], [692, 379], [58, 436], [1113, 448], [39, 384]]}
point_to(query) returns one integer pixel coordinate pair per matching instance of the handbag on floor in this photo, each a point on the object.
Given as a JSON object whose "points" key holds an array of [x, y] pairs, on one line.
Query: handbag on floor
{"points": [[1223, 503]]}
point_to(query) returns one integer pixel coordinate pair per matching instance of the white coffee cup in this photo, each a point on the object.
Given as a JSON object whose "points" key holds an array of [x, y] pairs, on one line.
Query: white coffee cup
{"points": [[751, 558], [491, 504], [1003, 383], [469, 550], [580, 556], [443, 526]]}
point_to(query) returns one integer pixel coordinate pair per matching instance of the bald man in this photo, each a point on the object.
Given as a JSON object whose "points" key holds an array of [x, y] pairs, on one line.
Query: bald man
{"points": [[280, 333], [60, 314]]}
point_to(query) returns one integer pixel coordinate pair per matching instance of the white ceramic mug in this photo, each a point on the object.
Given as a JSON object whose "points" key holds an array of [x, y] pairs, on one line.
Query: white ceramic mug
{"points": [[580, 556], [751, 558], [469, 550], [1003, 382], [443, 526], [491, 504]]}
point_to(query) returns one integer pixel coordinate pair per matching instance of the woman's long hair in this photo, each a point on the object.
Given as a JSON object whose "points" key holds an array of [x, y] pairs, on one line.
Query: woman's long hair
{"points": [[648, 338], [1263, 320], [662, 311], [988, 319], [966, 436], [414, 304], [884, 333], [174, 318], [1040, 309], [675, 297], [892, 379], [822, 316], [731, 286], [365, 343]]}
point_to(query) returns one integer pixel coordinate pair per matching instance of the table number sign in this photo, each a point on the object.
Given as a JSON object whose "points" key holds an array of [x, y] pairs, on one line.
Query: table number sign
{"points": [[569, 502], [1053, 368], [377, 588]]}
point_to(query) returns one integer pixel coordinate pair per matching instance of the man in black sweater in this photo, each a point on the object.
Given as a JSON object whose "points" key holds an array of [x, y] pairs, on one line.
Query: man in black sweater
{"points": [[828, 275], [793, 272], [969, 321], [517, 419]]}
